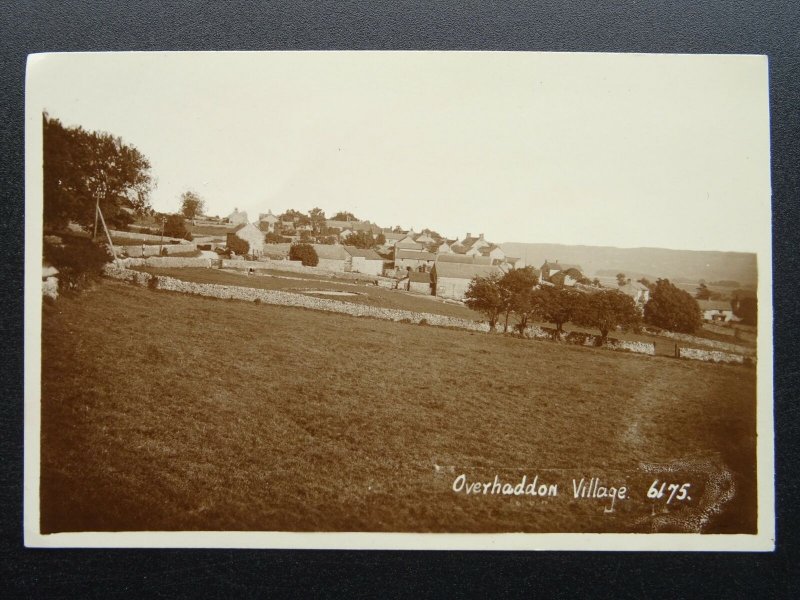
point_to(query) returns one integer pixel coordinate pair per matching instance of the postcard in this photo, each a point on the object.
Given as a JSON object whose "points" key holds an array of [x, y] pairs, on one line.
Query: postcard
{"points": [[409, 300]]}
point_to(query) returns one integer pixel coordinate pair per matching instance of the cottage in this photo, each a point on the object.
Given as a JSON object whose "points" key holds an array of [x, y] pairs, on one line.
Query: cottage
{"points": [[638, 291], [416, 260], [332, 258], [409, 243], [469, 243], [267, 222], [451, 280], [364, 261], [238, 217], [561, 274], [392, 238], [493, 251], [252, 235], [444, 248], [716, 311]]}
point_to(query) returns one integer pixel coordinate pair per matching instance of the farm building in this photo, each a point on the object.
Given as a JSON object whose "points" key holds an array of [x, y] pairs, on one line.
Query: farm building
{"points": [[416, 260], [716, 311], [451, 280], [332, 258], [364, 261], [561, 275], [267, 222], [252, 235], [419, 283], [493, 251]]}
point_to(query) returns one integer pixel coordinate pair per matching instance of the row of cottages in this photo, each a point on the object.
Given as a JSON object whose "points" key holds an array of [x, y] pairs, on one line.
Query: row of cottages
{"points": [[348, 259]]}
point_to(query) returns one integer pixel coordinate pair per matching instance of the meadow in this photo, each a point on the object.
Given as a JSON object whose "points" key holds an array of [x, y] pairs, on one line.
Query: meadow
{"points": [[163, 411]]}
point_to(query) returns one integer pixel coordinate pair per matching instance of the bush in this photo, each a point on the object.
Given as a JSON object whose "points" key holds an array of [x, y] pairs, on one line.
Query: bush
{"points": [[304, 253], [79, 262]]}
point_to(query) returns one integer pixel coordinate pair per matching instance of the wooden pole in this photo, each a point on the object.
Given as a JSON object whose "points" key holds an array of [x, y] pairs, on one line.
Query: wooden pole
{"points": [[108, 235], [96, 211]]}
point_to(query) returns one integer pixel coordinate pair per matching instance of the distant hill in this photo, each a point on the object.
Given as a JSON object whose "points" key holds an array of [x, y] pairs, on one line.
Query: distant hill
{"points": [[677, 265]]}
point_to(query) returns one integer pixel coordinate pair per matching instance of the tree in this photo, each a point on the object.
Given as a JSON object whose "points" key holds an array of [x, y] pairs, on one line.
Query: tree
{"points": [[304, 253], [606, 311], [175, 227], [237, 245], [192, 205], [276, 238], [306, 236], [485, 295], [558, 306], [514, 284], [745, 306], [84, 169], [344, 216], [621, 279], [703, 293], [292, 214], [596, 282], [362, 239], [672, 308], [317, 216], [380, 240]]}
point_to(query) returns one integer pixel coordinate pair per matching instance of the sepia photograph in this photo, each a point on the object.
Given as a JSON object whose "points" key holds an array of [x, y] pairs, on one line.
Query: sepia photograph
{"points": [[478, 300]]}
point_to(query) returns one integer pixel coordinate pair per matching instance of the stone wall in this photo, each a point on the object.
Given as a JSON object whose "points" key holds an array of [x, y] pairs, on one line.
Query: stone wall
{"points": [[139, 236], [153, 250], [693, 339], [281, 298], [711, 355], [167, 262]]}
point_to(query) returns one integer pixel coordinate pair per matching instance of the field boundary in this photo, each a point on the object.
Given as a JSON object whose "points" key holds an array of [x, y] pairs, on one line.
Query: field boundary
{"points": [[281, 298]]}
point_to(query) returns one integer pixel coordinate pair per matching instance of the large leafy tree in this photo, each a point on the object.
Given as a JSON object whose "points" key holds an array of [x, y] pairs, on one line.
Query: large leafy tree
{"points": [[317, 216], [559, 306], [362, 239], [672, 308], [745, 306], [175, 227], [304, 253], [485, 295], [192, 205], [515, 285], [83, 169], [606, 311], [344, 216]]}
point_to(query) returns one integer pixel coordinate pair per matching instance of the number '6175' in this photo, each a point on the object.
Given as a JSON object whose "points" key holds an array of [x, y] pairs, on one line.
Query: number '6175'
{"points": [[673, 491]]}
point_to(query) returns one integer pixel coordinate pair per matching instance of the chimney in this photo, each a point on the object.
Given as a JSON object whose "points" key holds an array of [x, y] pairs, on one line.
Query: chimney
{"points": [[469, 235], [480, 235]]}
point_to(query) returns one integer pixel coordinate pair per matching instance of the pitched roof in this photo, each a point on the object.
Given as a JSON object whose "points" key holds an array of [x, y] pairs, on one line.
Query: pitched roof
{"points": [[464, 271], [714, 305], [418, 277], [414, 254], [330, 252], [394, 236], [560, 266], [367, 253], [463, 259], [633, 286]]}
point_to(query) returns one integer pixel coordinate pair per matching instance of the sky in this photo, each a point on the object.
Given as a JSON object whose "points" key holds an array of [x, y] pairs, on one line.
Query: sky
{"points": [[624, 150]]}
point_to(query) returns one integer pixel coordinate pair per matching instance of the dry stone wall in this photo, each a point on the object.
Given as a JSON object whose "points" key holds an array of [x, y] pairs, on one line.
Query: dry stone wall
{"points": [[711, 355], [167, 262], [280, 298], [723, 346]]}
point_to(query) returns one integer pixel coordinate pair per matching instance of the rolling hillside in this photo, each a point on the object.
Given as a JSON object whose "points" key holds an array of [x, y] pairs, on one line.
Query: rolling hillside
{"points": [[678, 265]]}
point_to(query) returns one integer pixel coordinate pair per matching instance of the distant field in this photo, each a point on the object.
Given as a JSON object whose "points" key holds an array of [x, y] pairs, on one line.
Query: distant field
{"points": [[163, 411]]}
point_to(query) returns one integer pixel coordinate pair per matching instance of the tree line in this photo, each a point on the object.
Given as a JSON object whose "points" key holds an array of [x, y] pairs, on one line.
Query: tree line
{"points": [[518, 294]]}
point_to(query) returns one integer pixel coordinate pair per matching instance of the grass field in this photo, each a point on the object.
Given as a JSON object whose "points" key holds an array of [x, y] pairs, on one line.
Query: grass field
{"points": [[385, 298], [169, 412]]}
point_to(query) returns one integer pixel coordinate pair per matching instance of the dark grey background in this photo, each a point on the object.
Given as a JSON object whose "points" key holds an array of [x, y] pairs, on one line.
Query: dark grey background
{"points": [[680, 26]]}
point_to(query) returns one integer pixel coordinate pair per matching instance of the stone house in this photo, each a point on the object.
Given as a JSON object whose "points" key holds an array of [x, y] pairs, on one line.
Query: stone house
{"points": [[252, 235], [638, 291], [716, 311], [419, 283], [267, 222], [364, 261], [238, 217], [416, 260], [332, 258], [560, 274], [451, 279], [469, 243]]}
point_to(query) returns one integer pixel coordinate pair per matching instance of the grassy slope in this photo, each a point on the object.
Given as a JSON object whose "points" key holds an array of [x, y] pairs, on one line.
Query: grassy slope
{"points": [[162, 411]]}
